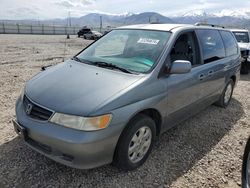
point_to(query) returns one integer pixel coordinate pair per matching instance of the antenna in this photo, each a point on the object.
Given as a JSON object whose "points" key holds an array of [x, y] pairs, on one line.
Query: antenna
{"points": [[64, 49]]}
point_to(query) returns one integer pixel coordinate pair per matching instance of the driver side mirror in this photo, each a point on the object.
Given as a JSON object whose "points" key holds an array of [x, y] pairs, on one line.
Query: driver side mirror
{"points": [[180, 67]]}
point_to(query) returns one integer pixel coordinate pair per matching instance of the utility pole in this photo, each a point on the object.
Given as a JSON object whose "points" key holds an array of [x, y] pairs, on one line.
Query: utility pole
{"points": [[100, 24], [69, 19]]}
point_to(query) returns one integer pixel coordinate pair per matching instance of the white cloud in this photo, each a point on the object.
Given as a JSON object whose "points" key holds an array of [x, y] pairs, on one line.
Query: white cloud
{"points": [[75, 3]]}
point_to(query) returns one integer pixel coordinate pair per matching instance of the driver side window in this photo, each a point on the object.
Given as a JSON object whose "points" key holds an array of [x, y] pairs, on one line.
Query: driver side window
{"points": [[186, 48]]}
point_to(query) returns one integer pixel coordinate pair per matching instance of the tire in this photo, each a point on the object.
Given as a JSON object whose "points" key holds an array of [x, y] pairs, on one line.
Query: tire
{"points": [[92, 38], [139, 125], [84, 36], [79, 36], [222, 102], [244, 68], [246, 164]]}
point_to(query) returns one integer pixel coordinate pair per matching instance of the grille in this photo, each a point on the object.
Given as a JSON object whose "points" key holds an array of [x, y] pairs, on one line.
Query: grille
{"points": [[35, 111]]}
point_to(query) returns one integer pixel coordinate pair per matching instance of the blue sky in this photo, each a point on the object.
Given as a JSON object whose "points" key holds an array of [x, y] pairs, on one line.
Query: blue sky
{"points": [[46, 9]]}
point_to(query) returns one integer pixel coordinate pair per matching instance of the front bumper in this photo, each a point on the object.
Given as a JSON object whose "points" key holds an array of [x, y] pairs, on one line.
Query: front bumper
{"points": [[78, 149]]}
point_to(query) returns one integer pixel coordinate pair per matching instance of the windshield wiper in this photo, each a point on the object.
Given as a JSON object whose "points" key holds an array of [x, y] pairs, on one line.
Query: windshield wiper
{"points": [[81, 60], [77, 59], [110, 65]]}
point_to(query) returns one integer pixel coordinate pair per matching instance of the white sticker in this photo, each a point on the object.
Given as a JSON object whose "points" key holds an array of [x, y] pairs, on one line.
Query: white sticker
{"points": [[148, 41]]}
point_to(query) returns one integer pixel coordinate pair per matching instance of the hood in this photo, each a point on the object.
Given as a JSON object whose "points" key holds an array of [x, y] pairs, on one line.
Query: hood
{"points": [[244, 46], [77, 88]]}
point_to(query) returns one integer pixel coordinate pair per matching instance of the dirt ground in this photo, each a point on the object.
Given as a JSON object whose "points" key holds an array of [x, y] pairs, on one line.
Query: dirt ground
{"points": [[204, 151]]}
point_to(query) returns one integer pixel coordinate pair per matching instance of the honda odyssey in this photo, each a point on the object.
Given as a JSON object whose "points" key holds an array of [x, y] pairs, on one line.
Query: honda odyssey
{"points": [[111, 101]]}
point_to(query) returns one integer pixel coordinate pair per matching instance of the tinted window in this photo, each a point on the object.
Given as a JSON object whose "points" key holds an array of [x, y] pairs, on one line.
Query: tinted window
{"points": [[212, 45], [230, 43], [242, 37]]}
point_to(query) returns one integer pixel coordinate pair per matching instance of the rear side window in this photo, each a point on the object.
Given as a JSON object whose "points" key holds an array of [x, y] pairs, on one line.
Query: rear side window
{"points": [[230, 44], [211, 44]]}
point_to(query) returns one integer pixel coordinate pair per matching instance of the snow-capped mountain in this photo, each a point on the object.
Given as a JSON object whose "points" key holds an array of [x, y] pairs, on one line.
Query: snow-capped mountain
{"points": [[195, 13], [243, 13], [227, 18], [234, 13]]}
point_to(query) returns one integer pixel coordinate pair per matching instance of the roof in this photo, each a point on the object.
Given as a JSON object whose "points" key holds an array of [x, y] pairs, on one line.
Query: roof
{"points": [[239, 30], [160, 27], [168, 27]]}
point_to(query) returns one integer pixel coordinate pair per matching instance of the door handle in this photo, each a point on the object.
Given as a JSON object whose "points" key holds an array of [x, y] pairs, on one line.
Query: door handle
{"points": [[201, 76], [210, 73]]}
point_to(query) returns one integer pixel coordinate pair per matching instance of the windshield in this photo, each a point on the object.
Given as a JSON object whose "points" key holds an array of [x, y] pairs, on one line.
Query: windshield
{"points": [[133, 50], [242, 37]]}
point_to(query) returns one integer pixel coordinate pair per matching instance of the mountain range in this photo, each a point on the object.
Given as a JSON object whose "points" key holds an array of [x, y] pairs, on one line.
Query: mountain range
{"points": [[226, 18]]}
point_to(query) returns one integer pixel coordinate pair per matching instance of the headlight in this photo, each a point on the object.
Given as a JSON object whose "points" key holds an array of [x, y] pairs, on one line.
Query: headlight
{"points": [[82, 123]]}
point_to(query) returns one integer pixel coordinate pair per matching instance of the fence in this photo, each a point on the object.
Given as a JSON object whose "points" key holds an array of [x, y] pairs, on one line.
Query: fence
{"points": [[7, 28]]}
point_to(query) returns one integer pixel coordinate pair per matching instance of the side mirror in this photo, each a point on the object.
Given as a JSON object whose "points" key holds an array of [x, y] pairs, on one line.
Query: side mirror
{"points": [[180, 67]]}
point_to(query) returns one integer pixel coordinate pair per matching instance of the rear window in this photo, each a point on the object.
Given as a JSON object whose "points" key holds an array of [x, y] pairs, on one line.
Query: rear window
{"points": [[212, 45], [230, 44]]}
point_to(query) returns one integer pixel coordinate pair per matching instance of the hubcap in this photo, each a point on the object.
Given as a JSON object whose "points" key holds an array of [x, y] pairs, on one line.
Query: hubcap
{"points": [[228, 93], [248, 171], [139, 144]]}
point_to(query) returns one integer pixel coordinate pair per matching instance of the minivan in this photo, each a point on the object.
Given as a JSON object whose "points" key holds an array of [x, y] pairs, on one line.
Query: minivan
{"points": [[110, 102]]}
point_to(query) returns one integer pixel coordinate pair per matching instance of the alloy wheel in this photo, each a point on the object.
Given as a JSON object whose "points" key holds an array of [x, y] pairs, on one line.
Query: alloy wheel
{"points": [[228, 93], [139, 144]]}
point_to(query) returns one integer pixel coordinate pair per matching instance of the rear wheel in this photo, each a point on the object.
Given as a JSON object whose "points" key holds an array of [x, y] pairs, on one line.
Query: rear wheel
{"points": [[226, 95], [135, 143], [84, 36], [244, 68]]}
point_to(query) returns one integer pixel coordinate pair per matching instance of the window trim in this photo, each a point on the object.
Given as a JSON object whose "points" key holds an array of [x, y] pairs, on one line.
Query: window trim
{"points": [[225, 44]]}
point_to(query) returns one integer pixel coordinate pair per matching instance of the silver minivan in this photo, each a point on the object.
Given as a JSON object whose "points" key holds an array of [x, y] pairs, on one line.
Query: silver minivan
{"points": [[111, 101]]}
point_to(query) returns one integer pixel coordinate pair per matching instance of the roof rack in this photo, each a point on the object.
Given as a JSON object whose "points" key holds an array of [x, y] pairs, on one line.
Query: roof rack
{"points": [[205, 24]]}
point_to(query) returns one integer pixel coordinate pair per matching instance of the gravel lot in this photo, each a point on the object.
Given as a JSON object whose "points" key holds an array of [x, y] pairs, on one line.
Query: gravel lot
{"points": [[205, 151]]}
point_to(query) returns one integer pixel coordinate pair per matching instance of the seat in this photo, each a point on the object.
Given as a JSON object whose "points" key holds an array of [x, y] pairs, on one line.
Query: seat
{"points": [[181, 49]]}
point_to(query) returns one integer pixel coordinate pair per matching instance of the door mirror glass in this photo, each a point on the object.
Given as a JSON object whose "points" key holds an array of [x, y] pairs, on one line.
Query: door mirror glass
{"points": [[180, 67]]}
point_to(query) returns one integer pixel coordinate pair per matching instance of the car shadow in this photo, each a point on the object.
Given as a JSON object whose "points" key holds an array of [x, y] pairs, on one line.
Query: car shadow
{"points": [[177, 151], [245, 77]]}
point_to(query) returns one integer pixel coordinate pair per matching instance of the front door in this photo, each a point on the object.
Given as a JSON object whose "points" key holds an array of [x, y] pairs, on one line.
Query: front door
{"points": [[184, 91]]}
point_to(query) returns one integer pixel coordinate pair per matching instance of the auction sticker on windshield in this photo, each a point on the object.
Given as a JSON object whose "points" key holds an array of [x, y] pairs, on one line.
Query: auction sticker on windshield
{"points": [[148, 41]]}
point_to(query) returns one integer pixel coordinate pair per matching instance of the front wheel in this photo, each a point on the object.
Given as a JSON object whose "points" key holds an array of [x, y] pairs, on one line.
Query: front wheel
{"points": [[226, 95], [135, 143]]}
